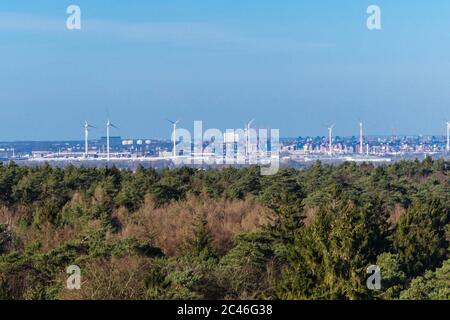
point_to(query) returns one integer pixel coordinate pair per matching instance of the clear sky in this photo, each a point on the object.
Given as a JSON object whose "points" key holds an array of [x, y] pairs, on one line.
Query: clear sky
{"points": [[294, 65]]}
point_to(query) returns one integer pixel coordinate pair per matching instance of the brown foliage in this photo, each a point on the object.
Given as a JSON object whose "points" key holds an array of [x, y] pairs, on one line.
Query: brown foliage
{"points": [[11, 216], [110, 279], [168, 226], [310, 213], [395, 213]]}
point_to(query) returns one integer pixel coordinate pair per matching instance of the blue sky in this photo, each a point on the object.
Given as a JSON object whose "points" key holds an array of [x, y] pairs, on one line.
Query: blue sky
{"points": [[293, 65]]}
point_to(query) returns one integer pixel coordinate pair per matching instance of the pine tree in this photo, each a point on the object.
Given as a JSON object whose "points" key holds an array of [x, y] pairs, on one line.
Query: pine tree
{"points": [[199, 243], [329, 258], [285, 197], [420, 238], [433, 285]]}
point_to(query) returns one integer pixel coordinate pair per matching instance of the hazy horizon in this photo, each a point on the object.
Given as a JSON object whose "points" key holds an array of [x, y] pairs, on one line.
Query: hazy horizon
{"points": [[168, 139]]}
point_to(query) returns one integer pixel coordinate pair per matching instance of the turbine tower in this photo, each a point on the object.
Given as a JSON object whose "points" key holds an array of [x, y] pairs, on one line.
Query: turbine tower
{"points": [[361, 138], [330, 139], [174, 137], [247, 138], [109, 125], [86, 136], [448, 137]]}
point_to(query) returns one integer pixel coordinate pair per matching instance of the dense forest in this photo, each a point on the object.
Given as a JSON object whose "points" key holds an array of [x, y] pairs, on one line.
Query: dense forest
{"points": [[226, 234]]}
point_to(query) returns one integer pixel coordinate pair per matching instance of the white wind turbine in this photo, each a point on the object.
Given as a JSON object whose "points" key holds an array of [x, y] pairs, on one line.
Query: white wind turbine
{"points": [[86, 126], [174, 137], [109, 125], [247, 137], [448, 137], [361, 138], [330, 139]]}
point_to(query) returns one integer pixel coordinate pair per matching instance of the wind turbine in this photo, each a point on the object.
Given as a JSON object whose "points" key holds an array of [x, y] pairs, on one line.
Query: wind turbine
{"points": [[361, 138], [86, 136], [330, 139], [448, 136], [174, 124], [247, 136], [109, 125]]}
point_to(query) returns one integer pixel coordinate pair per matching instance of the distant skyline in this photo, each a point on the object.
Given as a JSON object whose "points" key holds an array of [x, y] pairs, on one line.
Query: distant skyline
{"points": [[294, 65]]}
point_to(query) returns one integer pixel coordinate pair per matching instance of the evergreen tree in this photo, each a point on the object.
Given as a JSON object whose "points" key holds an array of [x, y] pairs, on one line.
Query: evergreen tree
{"points": [[434, 285], [392, 277], [285, 197], [330, 257], [420, 239], [199, 244]]}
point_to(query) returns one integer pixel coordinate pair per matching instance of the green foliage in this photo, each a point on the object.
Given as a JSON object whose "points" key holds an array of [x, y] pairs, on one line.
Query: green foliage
{"points": [[248, 181], [420, 238], [325, 225], [330, 257], [182, 279], [135, 187], [199, 244], [285, 197], [31, 275], [392, 277], [431, 286], [5, 239], [244, 267]]}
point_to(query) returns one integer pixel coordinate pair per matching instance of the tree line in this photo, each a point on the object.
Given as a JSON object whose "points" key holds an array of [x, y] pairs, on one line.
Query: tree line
{"points": [[226, 233]]}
